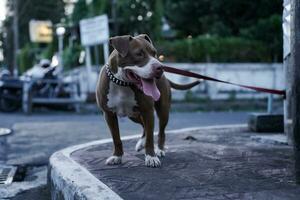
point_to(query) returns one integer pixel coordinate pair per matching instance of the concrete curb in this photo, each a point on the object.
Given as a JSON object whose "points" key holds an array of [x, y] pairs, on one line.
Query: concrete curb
{"points": [[69, 180]]}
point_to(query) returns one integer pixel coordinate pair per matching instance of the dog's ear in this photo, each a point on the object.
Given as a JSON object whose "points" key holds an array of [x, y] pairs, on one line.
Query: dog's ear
{"points": [[146, 37], [121, 44]]}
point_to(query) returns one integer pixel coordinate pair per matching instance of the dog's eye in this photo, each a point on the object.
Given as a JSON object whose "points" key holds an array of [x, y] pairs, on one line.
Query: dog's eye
{"points": [[155, 53], [140, 54]]}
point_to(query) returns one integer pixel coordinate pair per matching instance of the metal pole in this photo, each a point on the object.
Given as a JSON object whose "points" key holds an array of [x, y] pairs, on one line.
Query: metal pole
{"points": [[16, 38], [60, 50], [106, 52], [88, 63], [295, 96], [96, 53], [270, 104], [270, 96]]}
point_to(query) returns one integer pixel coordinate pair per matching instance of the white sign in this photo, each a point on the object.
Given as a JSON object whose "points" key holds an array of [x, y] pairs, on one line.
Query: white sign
{"points": [[94, 31]]}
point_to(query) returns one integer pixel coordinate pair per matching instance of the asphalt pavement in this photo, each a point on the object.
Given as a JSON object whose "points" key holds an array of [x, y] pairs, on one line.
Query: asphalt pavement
{"points": [[37, 136], [223, 163], [177, 119]]}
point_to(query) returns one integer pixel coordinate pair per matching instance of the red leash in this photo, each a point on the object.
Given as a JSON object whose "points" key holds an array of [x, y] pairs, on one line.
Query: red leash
{"points": [[199, 76]]}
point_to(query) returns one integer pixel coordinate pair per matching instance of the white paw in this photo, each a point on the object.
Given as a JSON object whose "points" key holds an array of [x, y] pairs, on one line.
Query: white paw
{"points": [[160, 153], [114, 160], [140, 144], [152, 161]]}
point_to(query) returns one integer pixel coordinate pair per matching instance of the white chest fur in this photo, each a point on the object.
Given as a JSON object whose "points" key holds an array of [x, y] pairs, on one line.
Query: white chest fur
{"points": [[121, 100]]}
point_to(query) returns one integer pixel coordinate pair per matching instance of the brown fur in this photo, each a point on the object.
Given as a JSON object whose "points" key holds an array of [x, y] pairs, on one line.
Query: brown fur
{"points": [[136, 51]]}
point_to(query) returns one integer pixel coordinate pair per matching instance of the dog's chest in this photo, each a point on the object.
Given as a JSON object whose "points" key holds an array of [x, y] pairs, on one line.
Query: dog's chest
{"points": [[121, 100]]}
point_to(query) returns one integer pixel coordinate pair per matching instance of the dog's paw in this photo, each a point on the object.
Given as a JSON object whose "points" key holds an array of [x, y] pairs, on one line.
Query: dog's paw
{"points": [[160, 153], [140, 144], [152, 161], [114, 160]]}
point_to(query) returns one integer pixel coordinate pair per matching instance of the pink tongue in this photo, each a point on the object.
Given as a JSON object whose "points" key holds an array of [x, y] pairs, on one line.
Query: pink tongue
{"points": [[150, 89]]}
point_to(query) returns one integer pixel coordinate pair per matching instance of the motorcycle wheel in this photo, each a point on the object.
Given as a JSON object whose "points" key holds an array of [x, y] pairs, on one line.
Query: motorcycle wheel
{"points": [[8, 104]]}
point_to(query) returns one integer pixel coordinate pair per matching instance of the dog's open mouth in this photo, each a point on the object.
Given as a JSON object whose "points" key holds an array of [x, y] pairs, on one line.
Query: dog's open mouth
{"points": [[148, 86]]}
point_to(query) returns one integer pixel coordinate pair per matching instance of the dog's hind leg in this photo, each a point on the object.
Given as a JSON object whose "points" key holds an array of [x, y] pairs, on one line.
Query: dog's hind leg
{"points": [[112, 122], [141, 142]]}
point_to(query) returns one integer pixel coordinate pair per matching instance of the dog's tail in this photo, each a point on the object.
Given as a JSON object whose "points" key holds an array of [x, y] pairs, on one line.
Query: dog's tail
{"points": [[183, 87]]}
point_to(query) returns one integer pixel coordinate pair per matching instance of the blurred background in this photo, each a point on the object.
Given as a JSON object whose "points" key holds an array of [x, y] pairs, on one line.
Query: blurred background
{"points": [[51, 53], [183, 30], [241, 39]]}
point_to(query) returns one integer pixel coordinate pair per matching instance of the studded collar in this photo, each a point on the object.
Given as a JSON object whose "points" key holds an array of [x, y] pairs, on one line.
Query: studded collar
{"points": [[114, 79]]}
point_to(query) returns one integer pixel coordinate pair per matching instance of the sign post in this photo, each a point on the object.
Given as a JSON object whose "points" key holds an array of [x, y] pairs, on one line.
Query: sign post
{"points": [[94, 31]]}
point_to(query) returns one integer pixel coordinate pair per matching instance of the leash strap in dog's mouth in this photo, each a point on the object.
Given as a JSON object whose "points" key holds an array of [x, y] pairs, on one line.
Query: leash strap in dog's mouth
{"points": [[199, 76], [114, 79]]}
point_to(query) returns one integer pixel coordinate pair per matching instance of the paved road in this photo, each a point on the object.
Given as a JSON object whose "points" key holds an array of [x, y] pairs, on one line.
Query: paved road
{"points": [[177, 119], [37, 136]]}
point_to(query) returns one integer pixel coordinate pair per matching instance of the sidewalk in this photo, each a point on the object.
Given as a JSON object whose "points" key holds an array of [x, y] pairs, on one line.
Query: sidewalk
{"points": [[202, 163]]}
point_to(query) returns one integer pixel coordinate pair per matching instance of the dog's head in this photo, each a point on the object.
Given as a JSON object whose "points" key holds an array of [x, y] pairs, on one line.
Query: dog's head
{"points": [[137, 62]]}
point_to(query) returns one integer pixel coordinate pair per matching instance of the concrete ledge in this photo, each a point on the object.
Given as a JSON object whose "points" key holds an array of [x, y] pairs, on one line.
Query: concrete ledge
{"points": [[69, 180], [264, 122]]}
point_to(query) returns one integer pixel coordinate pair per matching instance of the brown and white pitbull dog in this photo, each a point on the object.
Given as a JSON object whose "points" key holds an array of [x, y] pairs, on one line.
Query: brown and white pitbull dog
{"points": [[132, 84]]}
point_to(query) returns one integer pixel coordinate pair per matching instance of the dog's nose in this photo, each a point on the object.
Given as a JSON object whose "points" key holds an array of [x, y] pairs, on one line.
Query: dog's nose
{"points": [[157, 67]]}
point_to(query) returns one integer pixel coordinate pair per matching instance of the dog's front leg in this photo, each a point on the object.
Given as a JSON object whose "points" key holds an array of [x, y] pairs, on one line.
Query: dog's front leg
{"points": [[151, 160], [112, 122]]}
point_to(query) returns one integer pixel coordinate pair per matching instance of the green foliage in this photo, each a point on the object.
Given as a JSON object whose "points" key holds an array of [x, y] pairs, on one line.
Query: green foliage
{"points": [[80, 11], [26, 57], [192, 17], [214, 49], [269, 31], [29, 9], [257, 20], [40, 10], [140, 17], [223, 31], [48, 52], [71, 56]]}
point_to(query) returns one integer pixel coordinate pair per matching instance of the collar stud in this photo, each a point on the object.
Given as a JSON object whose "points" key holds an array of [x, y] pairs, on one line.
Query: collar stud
{"points": [[114, 79]]}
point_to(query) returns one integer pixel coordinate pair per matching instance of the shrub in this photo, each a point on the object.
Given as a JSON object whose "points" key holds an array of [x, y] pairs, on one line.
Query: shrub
{"points": [[214, 49], [71, 56], [26, 57]]}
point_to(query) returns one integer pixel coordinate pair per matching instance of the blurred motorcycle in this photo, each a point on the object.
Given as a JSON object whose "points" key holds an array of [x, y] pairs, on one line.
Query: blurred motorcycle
{"points": [[45, 82], [45, 79], [10, 92]]}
